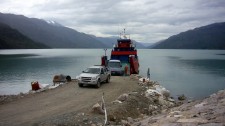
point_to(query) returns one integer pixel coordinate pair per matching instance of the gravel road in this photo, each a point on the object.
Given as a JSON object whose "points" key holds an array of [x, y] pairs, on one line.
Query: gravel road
{"points": [[33, 109]]}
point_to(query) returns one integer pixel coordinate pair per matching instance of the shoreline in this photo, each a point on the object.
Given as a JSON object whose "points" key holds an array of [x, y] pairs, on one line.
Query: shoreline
{"points": [[45, 87], [145, 103]]}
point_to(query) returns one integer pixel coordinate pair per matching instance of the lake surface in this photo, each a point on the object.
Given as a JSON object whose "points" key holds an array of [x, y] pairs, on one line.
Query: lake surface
{"points": [[195, 73]]}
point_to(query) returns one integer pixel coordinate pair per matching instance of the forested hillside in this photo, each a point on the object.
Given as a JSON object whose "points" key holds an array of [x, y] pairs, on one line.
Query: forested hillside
{"points": [[12, 39], [206, 37]]}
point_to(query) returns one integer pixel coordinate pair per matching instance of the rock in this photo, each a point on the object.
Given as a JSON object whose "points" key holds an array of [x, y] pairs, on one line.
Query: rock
{"points": [[200, 105], [59, 79], [85, 120], [133, 93], [144, 80], [165, 103], [145, 117], [212, 124], [134, 77], [80, 114], [130, 120], [222, 101], [125, 123], [193, 120], [152, 108], [116, 101], [163, 91], [142, 116], [167, 120], [150, 121], [175, 113], [123, 97], [220, 118], [112, 118], [182, 97], [137, 119], [137, 124], [171, 100], [97, 109], [21, 94], [99, 124], [149, 84], [152, 93], [177, 116]]}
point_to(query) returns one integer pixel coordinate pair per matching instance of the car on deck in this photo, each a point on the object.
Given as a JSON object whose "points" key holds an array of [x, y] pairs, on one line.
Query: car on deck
{"points": [[115, 67]]}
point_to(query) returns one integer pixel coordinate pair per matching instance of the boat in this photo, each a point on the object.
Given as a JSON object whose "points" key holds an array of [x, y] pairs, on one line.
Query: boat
{"points": [[125, 51]]}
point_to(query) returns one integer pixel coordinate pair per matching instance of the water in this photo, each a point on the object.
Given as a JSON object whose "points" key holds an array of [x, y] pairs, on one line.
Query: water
{"points": [[195, 73]]}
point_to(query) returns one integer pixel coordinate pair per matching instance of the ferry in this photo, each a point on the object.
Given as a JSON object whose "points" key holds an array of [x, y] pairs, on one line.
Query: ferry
{"points": [[125, 51]]}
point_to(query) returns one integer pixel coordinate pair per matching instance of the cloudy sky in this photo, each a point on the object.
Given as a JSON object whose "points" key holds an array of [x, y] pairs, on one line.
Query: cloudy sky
{"points": [[145, 20]]}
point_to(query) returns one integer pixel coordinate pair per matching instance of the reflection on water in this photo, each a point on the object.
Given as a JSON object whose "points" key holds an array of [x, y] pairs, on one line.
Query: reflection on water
{"points": [[215, 66], [18, 70], [195, 73], [211, 66], [198, 78]]}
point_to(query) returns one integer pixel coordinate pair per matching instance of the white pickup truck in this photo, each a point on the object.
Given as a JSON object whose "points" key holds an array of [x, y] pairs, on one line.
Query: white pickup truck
{"points": [[94, 75]]}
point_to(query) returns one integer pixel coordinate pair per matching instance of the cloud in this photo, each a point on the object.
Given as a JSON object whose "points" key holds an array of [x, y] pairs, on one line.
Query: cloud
{"points": [[145, 20]]}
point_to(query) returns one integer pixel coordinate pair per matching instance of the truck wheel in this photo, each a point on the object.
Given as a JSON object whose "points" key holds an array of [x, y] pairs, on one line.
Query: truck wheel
{"points": [[98, 85], [80, 85], [108, 79]]}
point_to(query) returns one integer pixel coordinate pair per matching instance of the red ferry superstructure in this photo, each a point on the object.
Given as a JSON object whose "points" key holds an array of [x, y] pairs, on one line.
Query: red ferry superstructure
{"points": [[125, 51]]}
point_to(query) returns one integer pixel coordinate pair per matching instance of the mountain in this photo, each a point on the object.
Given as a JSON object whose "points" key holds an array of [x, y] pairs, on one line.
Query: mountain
{"points": [[49, 32], [147, 44], [12, 39], [53, 23], [155, 44], [139, 45], [206, 37], [110, 41]]}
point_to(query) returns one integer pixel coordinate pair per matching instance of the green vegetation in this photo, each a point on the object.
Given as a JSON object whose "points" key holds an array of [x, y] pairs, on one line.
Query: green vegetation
{"points": [[207, 37], [12, 39], [52, 35]]}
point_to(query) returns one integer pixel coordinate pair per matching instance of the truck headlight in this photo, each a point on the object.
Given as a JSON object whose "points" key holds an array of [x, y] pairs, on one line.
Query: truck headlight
{"points": [[94, 78], [78, 77]]}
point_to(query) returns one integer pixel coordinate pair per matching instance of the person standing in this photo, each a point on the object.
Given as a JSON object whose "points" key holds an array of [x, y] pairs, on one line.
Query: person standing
{"points": [[126, 70]]}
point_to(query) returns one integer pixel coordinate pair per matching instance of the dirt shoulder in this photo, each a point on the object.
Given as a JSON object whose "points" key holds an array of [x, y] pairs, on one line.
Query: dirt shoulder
{"points": [[67, 100]]}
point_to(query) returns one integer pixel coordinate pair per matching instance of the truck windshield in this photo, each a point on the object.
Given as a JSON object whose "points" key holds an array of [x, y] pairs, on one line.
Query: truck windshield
{"points": [[114, 64], [92, 70]]}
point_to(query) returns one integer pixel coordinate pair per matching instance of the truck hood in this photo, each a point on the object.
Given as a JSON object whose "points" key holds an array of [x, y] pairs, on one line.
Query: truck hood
{"points": [[115, 69], [88, 75]]}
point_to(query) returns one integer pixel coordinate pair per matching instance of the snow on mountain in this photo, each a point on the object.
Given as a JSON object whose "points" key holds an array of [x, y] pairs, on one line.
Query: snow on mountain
{"points": [[54, 23]]}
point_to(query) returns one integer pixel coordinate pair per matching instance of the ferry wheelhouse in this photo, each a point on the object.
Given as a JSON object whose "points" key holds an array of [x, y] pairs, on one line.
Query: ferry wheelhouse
{"points": [[125, 51]]}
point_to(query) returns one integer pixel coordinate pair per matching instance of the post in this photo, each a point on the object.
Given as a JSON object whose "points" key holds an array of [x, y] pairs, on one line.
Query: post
{"points": [[105, 51], [104, 109], [148, 74]]}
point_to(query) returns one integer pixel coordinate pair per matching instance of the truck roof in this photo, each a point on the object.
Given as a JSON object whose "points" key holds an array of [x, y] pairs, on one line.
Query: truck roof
{"points": [[97, 66], [114, 60]]}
